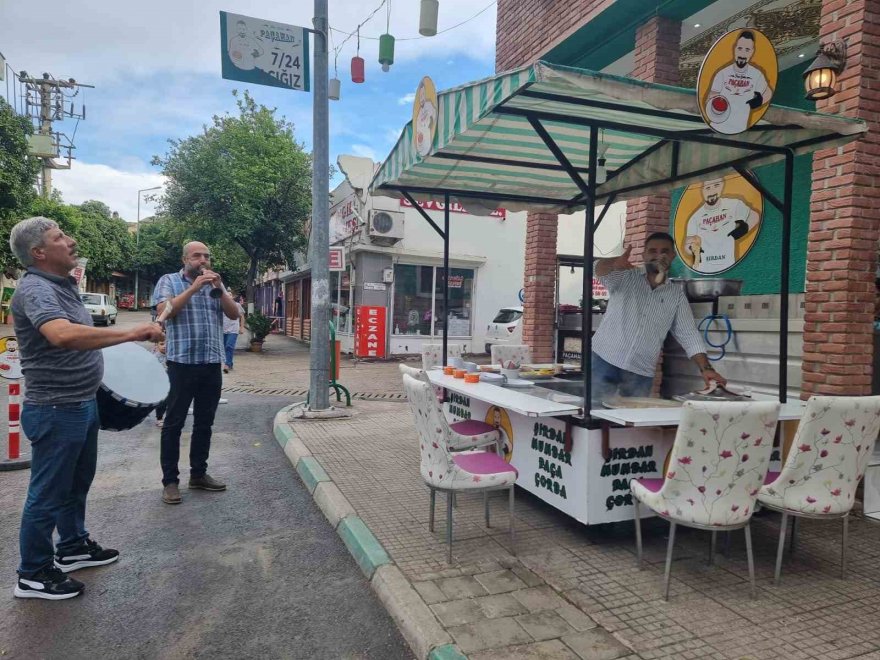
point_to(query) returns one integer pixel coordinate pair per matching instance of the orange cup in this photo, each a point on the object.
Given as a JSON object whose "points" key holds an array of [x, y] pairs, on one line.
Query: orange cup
{"points": [[472, 378], [459, 373], [448, 370]]}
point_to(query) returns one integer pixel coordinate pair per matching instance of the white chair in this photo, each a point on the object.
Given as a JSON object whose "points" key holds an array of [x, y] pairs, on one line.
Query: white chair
{"points": [[407, 370], [448, 472], [516, 353], [827, 459], [432, 354], [719, 459]]}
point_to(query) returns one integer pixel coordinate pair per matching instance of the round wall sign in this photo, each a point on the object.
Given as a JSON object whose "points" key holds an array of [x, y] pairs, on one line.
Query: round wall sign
{"points": [[424, 117]]}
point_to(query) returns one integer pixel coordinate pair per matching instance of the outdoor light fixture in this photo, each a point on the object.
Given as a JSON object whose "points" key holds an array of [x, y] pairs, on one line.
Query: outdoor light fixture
{"points": [[601, 172], [820, 77], [386, 51], [428, 18], [357, 69], [333, 88]]}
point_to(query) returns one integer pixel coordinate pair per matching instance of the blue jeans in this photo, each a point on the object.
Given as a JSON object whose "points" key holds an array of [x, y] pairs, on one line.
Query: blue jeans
{"points": [[229, 339], [610, 381], [64, 452]]}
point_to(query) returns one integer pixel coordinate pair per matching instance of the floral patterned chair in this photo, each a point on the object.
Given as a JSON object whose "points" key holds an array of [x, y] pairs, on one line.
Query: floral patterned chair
{"points": [[432, 354], [448, 472], [718, 463], [828, 457], [516, 353]]}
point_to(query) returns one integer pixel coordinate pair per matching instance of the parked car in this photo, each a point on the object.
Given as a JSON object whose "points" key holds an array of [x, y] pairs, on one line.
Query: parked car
{"points": [[102, 310], [505, 328]]}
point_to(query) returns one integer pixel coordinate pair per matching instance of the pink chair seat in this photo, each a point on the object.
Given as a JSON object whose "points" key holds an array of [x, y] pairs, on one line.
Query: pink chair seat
{"points": [[483, 462], [771, 477], [653, 485], [471, 427]]}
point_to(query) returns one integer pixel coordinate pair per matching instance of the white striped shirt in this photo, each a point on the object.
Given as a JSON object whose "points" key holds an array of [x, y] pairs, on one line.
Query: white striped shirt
{"points": [[638, 318]]}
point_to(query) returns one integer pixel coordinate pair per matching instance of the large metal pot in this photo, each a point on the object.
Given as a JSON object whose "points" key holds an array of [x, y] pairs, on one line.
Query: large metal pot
{"points": [[709, 289]]}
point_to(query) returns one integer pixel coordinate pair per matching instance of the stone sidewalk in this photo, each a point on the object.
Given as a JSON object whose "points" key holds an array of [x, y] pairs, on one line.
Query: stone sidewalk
{"points": [[572, 591]]}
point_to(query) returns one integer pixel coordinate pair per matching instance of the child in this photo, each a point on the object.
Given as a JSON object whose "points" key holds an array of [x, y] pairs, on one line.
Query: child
{"points": [[159, 351]]}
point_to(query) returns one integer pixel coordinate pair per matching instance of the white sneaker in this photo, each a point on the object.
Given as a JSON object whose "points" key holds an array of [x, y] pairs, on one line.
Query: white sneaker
{"points": [[190, 411], [222, 400]]}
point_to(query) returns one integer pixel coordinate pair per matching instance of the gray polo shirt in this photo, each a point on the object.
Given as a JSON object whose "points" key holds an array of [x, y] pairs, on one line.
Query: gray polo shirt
{"points": [[53, 375]]}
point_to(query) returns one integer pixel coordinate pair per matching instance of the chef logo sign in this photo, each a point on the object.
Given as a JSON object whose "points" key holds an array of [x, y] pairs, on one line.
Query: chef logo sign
{"points": [[264, 53], [736, 81], [716, 223], [370, 333]]}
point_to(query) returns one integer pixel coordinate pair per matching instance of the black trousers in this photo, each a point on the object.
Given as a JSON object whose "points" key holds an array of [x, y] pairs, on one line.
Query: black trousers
{"points": [[197, 385]]}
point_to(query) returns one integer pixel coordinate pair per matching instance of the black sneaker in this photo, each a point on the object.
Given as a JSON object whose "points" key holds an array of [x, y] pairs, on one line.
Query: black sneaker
{"points": [[87, 555], [50, 584]]}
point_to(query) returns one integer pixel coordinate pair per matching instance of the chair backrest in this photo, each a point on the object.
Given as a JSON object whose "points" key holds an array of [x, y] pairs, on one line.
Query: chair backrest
{"points": [[405, 369], [518, 353], [436, 463], [829, 454], [719, 460], [432, 354]]}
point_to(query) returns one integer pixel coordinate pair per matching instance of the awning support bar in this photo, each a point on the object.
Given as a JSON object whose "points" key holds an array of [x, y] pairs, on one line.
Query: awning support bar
{"points": [[676, 147], [424, 214], [605, 208], [586, 191], [476, 194], [468, 158], [587, 288], [445, 278], [757, 185], [784, 276]]}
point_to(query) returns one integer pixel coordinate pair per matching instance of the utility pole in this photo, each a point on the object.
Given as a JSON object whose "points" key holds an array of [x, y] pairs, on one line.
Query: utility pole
{"points": [[319, 353], [137, 242], [45, 100]]}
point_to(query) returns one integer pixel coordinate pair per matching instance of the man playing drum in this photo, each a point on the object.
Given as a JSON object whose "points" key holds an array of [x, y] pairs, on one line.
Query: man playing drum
{"points": [[194, 301], [62, 369]]}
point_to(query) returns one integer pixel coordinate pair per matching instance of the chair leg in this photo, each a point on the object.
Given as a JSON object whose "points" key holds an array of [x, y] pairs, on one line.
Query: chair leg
{"points": [[712, 544], [512, 519], [638, 523], [751, 559], [669, 548], [794, 527], [727, 538], [449, 528], [843, 548], [486, 506], [782, 529], [431, 510]]}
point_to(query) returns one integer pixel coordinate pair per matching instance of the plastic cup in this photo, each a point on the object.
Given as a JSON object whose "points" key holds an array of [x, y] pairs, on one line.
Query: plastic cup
{"points": [[472, 378], [459, 373], [449, 371]]}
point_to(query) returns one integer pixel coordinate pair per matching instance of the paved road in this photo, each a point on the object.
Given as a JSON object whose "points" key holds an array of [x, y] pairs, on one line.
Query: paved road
{"points": [[253, 572]]}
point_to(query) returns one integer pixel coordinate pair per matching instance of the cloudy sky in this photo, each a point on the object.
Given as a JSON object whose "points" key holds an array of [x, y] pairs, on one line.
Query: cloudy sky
{"points": [[156, 70]]}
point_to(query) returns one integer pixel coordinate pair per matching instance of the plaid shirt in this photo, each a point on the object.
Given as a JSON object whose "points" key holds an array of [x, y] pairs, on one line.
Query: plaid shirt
{"points": [[195, 334]]}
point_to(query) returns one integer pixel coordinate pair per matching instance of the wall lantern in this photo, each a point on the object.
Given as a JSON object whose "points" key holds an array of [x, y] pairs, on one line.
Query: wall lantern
{"points": [[820, 77], [386, 51], [333, 87], [428, 18], [357, 69]]}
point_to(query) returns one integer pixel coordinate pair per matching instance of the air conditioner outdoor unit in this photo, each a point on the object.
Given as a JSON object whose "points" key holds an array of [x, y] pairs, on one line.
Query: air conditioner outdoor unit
{"points": [[385, 227]]}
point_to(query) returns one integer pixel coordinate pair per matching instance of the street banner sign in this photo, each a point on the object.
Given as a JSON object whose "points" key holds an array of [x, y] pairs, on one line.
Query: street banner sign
{"points": [[337, 258], [370, 324], [263, 52]]}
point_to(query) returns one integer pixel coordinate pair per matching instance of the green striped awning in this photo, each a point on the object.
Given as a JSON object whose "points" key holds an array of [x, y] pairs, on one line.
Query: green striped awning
{"points": [[485, 143]]}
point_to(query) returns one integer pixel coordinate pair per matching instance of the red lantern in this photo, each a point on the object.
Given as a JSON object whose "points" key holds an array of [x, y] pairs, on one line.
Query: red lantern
{"points": [[357, 69]]}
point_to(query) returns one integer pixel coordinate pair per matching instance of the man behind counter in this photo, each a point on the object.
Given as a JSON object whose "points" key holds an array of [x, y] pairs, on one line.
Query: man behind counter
{"points": [[643, 307]]}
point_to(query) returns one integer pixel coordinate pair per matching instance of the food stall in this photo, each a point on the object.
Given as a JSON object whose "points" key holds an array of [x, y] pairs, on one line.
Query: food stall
{"points": [[530, 139]]}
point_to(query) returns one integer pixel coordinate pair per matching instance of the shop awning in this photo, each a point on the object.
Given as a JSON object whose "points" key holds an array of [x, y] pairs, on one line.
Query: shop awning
{"points": [[520, 138]]}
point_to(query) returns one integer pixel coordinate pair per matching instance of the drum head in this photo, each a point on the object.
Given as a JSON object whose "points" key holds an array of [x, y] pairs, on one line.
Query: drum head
{"points": [[134, 376]]}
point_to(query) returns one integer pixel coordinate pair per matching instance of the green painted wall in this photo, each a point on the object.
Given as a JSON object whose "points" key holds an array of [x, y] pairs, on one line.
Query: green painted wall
{"points": [[760, 269]]}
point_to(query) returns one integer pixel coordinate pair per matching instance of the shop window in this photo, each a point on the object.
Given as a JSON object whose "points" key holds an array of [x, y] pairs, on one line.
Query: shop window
{"points": [[461, 288], [340, 294], [413, 299]]}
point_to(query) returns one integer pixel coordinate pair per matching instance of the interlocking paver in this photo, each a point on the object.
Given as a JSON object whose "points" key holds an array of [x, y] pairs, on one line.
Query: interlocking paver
{"points": [[586, 576]]}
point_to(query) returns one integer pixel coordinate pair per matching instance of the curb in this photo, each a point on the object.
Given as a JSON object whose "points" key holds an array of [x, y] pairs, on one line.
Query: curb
{"points": [[415, 620]]}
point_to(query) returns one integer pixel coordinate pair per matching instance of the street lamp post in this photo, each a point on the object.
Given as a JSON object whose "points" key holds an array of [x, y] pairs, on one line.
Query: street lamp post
{"points": [[137, 242]]}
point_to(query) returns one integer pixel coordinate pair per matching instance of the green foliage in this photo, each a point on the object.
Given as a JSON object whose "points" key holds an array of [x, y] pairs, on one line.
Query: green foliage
{"points": [[245, 182], [104, 240], [18, 171], [259, 326]]}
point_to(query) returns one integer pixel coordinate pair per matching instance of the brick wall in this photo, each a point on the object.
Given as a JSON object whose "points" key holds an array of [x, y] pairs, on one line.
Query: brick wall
{"points": [[526, 30], [540, 285], [657, 53], [844, 228]]}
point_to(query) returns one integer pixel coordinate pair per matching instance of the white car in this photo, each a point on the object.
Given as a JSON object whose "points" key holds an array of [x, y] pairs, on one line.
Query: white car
{"points": [[102, 310], [506, 328]]}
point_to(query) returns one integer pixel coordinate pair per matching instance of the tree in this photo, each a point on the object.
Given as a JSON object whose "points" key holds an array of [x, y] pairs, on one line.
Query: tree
{"points": [[243, 181], [18, 170], [104, 240]]}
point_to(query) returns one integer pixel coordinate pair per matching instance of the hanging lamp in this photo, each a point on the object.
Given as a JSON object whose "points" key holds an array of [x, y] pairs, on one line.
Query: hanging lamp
{"points": [[333, 87], [386, 51], [357, 62], [428, 18]]}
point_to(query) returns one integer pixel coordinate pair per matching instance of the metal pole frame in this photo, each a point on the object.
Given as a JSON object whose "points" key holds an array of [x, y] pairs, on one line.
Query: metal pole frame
{"points": [[424, 214], [445, 276]]}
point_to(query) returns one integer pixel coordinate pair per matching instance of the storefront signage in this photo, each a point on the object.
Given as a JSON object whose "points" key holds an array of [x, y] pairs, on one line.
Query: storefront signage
{"points": [[337, 258], [424, 117], [736, 81], [599, 290], [375, 286], [344, 220], [716, 223], [10, 358], [370, 331], [456, 281], [454, 207], [263, 52]]}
